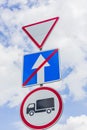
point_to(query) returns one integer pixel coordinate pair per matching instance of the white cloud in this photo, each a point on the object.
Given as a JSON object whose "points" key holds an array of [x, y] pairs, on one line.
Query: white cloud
{"points": [[10, 2], [69, 35], [72, 123], [10, 76], [73, 56]]}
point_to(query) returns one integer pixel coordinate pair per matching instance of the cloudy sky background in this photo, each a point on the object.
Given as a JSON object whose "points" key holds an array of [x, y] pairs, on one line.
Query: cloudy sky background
{"points": [[69, 35]]}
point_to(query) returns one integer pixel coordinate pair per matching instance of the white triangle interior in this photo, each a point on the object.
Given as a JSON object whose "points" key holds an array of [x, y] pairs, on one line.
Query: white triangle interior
{"points": [[40, 31]]}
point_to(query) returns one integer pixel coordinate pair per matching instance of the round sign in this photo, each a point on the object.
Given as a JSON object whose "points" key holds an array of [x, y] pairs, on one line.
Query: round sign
{"points": [[41, 108]]}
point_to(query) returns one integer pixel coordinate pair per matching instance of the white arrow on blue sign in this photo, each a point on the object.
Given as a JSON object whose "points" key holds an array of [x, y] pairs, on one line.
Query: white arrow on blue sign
{"points": [[41, 67]]}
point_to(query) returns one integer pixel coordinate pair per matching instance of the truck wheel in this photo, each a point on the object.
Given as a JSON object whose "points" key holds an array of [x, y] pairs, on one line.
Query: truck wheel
{"points": [[48, 111], [31, 113]]}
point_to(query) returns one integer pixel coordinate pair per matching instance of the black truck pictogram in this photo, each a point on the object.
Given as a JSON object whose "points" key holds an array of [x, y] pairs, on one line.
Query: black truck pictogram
{"points": [[41, 105]]}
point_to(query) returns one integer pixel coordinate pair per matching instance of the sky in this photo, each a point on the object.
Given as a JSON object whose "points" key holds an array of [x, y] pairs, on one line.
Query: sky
{"points": [[69, 35]]}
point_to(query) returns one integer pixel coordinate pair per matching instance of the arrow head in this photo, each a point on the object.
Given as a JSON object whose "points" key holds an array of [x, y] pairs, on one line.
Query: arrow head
{"points": [[39, 61]]}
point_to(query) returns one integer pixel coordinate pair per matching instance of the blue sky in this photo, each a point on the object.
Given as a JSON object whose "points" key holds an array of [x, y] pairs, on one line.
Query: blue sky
{"points": [[69, 35]]}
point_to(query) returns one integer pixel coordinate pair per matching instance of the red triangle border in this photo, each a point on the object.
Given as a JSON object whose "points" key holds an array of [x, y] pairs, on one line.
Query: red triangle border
{"points": [[44, 40]]}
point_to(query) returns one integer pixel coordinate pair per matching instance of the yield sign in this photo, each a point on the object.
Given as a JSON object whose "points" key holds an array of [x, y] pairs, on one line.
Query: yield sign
{"points": [[39, 32]]}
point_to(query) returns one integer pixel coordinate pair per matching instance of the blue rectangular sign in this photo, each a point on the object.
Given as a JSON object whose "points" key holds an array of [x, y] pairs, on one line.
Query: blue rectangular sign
{"points": [[41, 67]]}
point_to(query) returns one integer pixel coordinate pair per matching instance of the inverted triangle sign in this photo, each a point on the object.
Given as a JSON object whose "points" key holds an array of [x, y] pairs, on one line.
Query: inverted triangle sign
{"points": [[39, 32]]}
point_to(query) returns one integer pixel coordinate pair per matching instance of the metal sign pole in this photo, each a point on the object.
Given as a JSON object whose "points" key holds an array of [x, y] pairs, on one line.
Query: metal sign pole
{"points": [[41, 85]]}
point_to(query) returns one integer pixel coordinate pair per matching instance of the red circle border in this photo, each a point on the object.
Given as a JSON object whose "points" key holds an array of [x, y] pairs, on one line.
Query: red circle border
{"points": [[54, 120]]}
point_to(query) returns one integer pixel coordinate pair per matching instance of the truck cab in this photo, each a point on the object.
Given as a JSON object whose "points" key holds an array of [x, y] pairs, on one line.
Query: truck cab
{"points": [[31, 109]]}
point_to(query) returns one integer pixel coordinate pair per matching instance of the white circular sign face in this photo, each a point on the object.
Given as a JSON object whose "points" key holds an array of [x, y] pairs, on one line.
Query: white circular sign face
{"points": [[41, 108]]}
